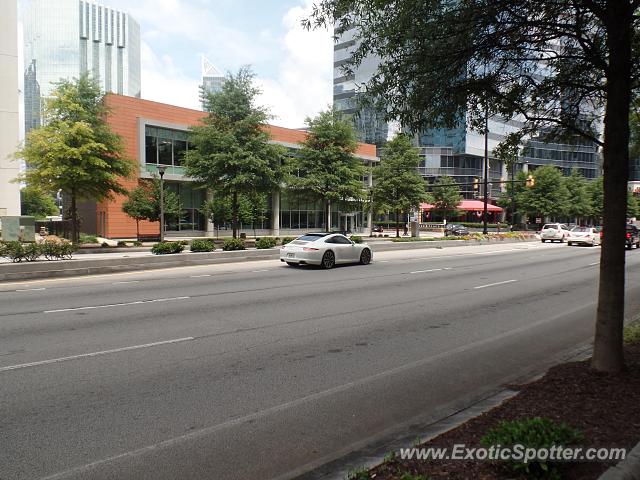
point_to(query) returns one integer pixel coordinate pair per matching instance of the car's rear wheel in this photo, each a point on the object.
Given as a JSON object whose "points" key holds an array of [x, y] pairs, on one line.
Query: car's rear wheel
{"points": [[328, 260], [562, 240], [365, 257], [543, 240], [292, 264], [569, 244]]}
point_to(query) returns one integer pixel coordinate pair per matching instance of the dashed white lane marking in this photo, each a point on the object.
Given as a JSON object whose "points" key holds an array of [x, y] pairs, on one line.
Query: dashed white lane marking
{"points": [[259, 271], [93, 354], [428, 271], [93, 307], [594, 263], [126, 282], [200, 276], [494, 284], [30, 289]]}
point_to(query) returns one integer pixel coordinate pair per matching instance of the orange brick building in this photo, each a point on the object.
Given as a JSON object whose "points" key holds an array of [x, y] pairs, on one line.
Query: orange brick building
{"points": [[155, 133]]}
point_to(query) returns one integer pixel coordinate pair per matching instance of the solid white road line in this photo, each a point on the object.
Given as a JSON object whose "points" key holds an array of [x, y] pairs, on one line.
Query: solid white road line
{"points": [[94, 354], [594, 263], [30, 289], [494, 284], [93, 307], [125, 283], [200, 276], [428, 271]]}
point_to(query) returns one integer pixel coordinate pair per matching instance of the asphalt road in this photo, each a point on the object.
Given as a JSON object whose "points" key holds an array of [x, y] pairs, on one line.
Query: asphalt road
{"points": [[259, 370]]}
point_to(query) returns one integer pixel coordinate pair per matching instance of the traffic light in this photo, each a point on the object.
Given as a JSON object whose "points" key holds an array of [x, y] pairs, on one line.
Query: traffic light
{"points": [[476, 184], [531, 181]]}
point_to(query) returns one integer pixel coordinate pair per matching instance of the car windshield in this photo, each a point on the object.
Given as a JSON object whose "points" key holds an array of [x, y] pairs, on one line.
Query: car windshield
{"points": [[581, 229], [554, 226]]}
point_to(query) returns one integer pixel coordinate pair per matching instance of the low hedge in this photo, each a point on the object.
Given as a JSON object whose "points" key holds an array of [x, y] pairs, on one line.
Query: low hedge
{"points": [[202, 245], [30, 252], [356, 239], [233, 244], [286, 240], [167, 248], [265, 242]]}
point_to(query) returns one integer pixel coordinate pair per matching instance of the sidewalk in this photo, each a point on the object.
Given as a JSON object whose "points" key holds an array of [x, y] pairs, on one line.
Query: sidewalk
{"points": [[104, 263]]}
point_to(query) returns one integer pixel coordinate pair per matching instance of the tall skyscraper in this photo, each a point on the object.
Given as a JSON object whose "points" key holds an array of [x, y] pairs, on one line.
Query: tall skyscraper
{"points": [[64, 38], [455, 152], [212, 80], [9, 127]]}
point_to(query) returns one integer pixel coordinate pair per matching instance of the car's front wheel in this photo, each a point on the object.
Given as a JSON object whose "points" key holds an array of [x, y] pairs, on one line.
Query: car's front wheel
{"points": [[365, 257], [543, 240], [569, 244], [328, 260]]}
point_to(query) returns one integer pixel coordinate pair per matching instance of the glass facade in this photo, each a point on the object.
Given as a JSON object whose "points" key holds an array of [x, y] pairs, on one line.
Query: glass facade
{"points": [[67, 37], [165, 146], [212, 80], [192, 199]]}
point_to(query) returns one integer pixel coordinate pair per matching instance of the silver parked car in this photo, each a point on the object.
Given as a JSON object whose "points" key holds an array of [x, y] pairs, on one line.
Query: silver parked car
{"points": [[584, 236], [324, 249], [554, 232]]}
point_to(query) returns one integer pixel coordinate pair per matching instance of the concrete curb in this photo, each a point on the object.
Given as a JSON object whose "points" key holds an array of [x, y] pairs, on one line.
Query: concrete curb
{"points": [[100, 266], [627, 469]]}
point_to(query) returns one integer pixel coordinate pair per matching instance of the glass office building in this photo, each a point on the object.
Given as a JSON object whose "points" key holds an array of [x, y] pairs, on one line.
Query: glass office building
{"points": [[64, 38], [212, 80]]}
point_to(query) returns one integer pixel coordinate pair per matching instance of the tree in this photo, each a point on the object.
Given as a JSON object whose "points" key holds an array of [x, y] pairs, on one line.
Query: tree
{"points": [[578, 200], [326, 165], [218, 210], [557, 66], [512, 196], [446, 198], [37, 203], [75, 150], [232, 154], [397, 184], [633, 207], [548, 196], [595, 190], [143, 203], [253, 209]]}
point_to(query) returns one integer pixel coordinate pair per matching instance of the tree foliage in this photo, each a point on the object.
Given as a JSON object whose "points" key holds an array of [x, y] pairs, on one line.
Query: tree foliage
{"points": [[232, 154], [327, 168], [578, 204], [559, 67], [75, 150], [143, 202], [37, 203], [447, 197], [398, 186]]}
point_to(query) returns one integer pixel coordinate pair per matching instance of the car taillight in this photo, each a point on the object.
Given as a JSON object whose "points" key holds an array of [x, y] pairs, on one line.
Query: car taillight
{"points": [[310, 249], [628, 235]]}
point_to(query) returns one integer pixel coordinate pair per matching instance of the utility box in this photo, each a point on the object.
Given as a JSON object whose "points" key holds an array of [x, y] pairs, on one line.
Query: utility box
{"points": [[415, 229], [21, 229]]}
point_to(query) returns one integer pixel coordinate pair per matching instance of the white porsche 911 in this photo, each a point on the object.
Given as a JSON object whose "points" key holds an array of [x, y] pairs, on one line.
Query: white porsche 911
{"points": [[324, 249]]}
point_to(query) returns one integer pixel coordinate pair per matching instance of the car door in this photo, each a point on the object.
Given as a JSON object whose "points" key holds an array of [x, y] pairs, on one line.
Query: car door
{"points": [[344, 249]]}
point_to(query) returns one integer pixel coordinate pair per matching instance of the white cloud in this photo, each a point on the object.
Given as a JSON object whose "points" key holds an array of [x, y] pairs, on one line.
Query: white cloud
{"points": [[163, 82], [304, 82], [300, 85]]}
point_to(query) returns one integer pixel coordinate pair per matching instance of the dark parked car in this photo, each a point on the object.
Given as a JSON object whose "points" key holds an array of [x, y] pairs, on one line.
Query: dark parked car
{"points": [[455, 230], [633, 237]]}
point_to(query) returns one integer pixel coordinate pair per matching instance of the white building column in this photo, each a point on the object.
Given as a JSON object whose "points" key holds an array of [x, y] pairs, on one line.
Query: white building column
{"points": [[275, 213], [9, 168], [210, 227]]}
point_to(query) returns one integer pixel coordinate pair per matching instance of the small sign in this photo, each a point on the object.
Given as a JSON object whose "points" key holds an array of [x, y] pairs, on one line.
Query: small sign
{"points": [[538, 220]]}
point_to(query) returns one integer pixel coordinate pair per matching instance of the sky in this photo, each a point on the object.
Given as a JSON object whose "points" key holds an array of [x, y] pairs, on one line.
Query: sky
{"points": [[293, 66]]}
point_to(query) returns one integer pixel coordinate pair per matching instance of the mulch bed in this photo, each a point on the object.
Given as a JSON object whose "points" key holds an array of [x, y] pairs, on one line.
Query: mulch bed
{"points": [[605, 408]]}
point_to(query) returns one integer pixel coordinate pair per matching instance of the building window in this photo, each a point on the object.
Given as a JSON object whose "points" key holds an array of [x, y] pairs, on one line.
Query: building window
{"points": [[165, 146]]}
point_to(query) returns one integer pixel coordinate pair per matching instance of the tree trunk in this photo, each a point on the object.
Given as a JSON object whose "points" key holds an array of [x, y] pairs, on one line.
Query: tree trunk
{"points": [[234, 214], [608, 353], [138, 229], [75, 228], [327, 214]]}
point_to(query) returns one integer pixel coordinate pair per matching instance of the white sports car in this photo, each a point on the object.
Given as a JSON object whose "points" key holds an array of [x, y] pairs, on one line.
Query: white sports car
{"points": [[324, 249], [584, 236]]}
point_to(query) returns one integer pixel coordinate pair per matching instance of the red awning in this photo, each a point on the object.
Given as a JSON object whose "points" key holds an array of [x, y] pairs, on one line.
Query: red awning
{"points": [[467, 206]]}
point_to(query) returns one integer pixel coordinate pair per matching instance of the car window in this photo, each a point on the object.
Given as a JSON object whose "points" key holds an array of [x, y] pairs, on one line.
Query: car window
{"points": [[581, 229], [311, 237], [339, 239], [551, 225]]}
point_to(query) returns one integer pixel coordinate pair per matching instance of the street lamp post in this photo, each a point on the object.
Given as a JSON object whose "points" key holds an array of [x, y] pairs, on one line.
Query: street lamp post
{"points": [[161, 170], [485, 226], [513, 194]]}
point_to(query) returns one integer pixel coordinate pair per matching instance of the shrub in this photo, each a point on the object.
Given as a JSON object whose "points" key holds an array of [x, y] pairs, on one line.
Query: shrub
{"points": [[84, 238], [14, 251], [632, 333], [286, 240], [263, 243], [184, 243], [122, 243], [137, 243], [202, 245], [233, 244], [104, 244], [53, 250], [165, 248], [355, 239], [531, 433]]}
